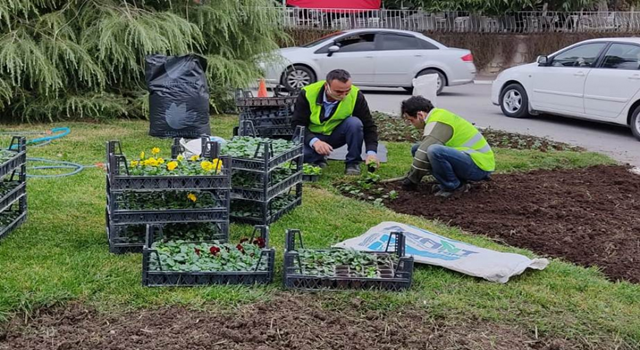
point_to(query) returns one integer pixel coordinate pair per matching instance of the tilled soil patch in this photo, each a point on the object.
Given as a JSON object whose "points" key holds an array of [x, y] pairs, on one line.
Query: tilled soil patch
{"points": [[288, 322], [588, 216]]}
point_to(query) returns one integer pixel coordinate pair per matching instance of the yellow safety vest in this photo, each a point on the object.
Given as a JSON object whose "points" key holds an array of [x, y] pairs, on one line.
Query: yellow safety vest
{"points": [[466, 138], [344, 109]]}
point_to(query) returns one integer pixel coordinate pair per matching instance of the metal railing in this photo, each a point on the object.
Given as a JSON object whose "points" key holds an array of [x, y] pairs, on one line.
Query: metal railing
{"points": [[463, 22]]}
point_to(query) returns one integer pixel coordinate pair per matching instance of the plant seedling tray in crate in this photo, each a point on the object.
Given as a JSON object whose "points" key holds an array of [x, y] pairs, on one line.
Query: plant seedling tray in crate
{"points": [[131, 238], [264, 213], [264, 159], [347, 269], [217, 211], [155, 274], [11, 218], [118, 177], [14, 158]]}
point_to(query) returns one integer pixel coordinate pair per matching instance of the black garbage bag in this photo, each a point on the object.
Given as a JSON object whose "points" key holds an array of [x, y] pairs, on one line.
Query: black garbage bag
{"points": [[178, 96]]}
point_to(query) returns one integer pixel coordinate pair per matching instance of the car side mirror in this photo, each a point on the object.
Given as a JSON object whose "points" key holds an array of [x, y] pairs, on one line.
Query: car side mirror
{"points": [[333, 49], [543, 60]]}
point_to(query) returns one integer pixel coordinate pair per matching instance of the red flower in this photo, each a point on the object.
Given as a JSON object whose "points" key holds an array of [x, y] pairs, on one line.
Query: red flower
{"points": [[214, 250], [244, 240], [240, 248], [197, 251], [259, 242]]}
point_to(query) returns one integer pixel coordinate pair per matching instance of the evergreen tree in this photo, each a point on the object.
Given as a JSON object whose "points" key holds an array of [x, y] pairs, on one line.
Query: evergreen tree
{"points": [[63, 59]]}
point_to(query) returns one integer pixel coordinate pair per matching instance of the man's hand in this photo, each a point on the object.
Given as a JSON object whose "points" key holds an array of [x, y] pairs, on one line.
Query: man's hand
{"points": [[322, 148], [372, 158]]}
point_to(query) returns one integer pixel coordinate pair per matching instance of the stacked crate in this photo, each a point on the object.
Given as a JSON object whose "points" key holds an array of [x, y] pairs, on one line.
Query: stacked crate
{"points": [[126, 226], [277, 185], [13, 185], [266, 116]]}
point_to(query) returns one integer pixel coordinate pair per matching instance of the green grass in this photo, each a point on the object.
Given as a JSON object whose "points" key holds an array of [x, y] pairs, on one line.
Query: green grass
{"points": [[61, 253]]}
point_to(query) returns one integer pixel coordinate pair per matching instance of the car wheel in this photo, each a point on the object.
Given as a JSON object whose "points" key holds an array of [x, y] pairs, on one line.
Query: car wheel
{"points": [[635, 123], [442, 80], [514, 101], [297, 77]]}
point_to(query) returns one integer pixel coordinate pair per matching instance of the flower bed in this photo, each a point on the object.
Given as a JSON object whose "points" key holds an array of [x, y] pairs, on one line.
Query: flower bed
{"points": [[316, 269], [187, 264]]}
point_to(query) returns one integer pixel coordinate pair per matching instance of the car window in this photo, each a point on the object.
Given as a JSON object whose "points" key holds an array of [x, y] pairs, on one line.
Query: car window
{"points": [[581, 56], [318, 41], [400, 42], [356, 43], [622, 56]]}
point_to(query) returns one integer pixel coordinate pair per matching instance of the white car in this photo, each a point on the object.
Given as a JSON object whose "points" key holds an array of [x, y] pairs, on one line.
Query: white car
{"points": [[596, 79], [373, 57]]}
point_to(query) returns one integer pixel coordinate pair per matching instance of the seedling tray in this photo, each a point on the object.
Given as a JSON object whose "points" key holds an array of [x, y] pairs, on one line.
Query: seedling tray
{"points": [[164, 278], [131, 238], [396, 278], [119, 179], [216, 213], [18, 146]]}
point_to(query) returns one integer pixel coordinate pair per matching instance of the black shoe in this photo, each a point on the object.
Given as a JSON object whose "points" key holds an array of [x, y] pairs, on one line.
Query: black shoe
{"points": [[352, 169], [408, 185], [464, 187]]}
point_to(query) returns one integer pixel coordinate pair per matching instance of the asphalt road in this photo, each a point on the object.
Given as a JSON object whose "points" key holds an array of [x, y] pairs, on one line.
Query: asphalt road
{"points": [[473, 102]]}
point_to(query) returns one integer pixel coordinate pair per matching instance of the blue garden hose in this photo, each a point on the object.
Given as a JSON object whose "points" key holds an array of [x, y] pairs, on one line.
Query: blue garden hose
{"points": [[53, 134]]}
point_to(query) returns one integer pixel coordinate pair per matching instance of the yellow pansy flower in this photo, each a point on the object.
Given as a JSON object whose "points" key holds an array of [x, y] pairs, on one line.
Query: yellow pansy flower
{"points": [[142, 155], [160, 160], [206, 165], [134, 163], [192, 197], [180, 158], [194, 157], [172, 165], [155, 150]]}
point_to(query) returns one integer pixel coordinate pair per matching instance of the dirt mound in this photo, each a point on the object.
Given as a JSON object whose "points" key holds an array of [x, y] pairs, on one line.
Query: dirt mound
{"points": [[289, 322], [589, 216]]}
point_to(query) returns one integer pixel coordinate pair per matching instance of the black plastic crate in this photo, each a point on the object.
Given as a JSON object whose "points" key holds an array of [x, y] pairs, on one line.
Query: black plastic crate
{"points": [[165, 278], [131, 238], [219, 212], [280, 128], [118, 177], [264, 159], [263, 213], [14, 216], [15, 191], [17, 163], [294, 278], [267, 190], [246, 101]]}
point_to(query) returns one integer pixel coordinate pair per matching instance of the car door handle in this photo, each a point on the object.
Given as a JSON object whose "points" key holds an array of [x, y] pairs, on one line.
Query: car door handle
{"points": [[417, 55], [368, 56], [579, 74], [635, 77]]}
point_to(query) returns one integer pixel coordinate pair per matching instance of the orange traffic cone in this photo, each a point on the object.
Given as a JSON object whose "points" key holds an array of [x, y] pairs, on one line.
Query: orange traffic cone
{"points": [[262, 89]]}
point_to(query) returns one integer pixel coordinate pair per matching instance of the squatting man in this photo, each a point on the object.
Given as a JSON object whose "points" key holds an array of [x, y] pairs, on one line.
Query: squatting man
{"points": [[451, 149]]}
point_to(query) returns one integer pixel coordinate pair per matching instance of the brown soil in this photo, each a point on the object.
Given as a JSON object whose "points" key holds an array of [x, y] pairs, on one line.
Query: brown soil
{"points": [[588, 216], [290, 321]]}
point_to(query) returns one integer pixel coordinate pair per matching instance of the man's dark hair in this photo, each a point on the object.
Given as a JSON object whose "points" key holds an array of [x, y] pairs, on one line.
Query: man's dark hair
{"points": [[338, 74], [416, 104]]}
